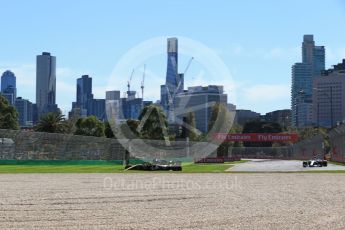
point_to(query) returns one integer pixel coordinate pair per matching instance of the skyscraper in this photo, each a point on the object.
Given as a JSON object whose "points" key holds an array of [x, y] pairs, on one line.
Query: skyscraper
{"points": [[46, 83], [313, 55], [308, 45], [171, 79], [313, 63], [8, 86], [172, 64], [174, 82], [86, 105], [84, 91], [83, 105]]}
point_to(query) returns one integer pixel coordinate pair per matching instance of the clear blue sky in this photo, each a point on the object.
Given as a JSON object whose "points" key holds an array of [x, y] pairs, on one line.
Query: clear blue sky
{"points": [[257, 40]]}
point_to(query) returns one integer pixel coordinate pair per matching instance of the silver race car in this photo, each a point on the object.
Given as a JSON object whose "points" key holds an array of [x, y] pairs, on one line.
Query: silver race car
{"points": [[315, 163]]}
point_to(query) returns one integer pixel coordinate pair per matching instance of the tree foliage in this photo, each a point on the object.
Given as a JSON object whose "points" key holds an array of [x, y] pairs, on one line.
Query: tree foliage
{"points": [[128, 130], [236, 128], [214, 116], [153, 123], [221, 119], [310, 132], [108, 130], [260, 127], [51, 123], [90, 126], [8, 115], [189, 130]]}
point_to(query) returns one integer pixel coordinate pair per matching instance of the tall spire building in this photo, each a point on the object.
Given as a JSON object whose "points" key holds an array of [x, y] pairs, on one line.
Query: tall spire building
{"points": [[173, 80], [172, 64]]}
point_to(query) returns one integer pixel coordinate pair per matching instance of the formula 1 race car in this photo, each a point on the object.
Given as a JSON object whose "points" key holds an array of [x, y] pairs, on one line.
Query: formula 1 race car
{"points": [[157, 165], [315, 163]]}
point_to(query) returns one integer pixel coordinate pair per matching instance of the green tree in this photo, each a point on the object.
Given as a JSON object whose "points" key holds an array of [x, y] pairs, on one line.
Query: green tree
{"points": [[236, 128], [310, 132], [221, 119], [8, 115], [214, 116], [153, 123], [189, 130], [90, 126], [133, 125], [128, 130], [51, 123], [108, 130], [260, 127], [72, 120], [69, 125]]}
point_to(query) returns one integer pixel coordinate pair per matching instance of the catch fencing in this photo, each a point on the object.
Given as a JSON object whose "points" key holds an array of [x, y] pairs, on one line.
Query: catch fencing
{"points": [[309, 148], [337, 141], [303, 150]]}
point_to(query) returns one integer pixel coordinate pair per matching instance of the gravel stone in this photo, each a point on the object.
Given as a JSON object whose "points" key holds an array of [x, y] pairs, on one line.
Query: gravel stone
{"points": [[172, 201]]}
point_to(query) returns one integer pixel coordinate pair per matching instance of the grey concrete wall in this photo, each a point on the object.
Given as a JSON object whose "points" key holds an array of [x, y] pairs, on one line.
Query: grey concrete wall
{"points": [[25, 145], [52, 146]]}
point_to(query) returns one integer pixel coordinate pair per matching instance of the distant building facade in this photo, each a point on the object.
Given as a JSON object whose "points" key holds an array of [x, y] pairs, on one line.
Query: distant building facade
{"points": [[313, 63], [231, 107], [112, 102], [25, 112], [282, 117], [131, 106], [8, 86], [98, 109], [329, 97], [243, 116], [25, 108], [46, 84], [85, 104], [199, 100]]}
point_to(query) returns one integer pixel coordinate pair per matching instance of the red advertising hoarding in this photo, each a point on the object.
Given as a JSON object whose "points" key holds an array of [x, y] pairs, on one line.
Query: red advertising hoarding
{"points": [[256, 137]]}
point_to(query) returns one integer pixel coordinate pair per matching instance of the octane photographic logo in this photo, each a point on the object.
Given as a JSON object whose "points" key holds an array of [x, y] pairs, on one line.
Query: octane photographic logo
{"points": [[136, 58]]}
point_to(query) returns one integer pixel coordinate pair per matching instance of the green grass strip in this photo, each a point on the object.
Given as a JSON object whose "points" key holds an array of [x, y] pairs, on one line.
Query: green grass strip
{"points": [[66, 162]]}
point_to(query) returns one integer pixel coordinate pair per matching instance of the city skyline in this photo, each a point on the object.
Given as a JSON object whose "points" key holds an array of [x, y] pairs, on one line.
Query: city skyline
{"points": [[306, 57], [259, 60]]}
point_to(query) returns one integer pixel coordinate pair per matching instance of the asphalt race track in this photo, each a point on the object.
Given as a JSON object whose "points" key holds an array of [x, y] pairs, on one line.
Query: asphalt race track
{"points": [[172, 201], [261, 165]]}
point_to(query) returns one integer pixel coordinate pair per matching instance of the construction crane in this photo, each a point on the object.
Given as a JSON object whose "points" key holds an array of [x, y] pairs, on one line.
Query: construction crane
{"points": [[142, 84], [171, 95], [170, 106], [129, 81], [187, 67], [185, 71]]}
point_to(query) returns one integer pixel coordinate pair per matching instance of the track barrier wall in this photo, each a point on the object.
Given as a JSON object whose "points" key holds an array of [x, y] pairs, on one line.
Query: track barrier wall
{"points": [[337, 141], [26, 145]]}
